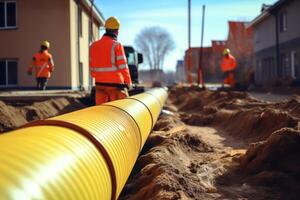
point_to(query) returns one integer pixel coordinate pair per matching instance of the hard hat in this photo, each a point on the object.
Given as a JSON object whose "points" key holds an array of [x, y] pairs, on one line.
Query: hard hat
{"points": [[226, 52], [112, 23], [45, 43]]}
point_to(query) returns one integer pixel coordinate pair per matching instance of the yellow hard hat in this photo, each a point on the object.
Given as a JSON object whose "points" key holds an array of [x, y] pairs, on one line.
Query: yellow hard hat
{"points": [[112, 23], [46, 43], [226, 52]]}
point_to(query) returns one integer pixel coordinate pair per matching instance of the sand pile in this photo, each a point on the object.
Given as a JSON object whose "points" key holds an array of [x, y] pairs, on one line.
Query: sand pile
{"points": [[235, 112], [173, 165], [291, 106], [275, 162], [12, 116], [254, 124], [208, 160]]}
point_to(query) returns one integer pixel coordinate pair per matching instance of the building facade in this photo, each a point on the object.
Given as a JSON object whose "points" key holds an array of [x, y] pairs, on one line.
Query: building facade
{"points": [[68, 25], [277, 42], [239, 41]]}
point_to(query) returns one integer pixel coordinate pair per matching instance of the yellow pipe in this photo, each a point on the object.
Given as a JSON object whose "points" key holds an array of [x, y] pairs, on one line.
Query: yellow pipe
{"points": [[87, 154]]}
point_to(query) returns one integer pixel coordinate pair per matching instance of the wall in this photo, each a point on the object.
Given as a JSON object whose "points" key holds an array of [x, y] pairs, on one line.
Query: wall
{"points": [[293, 16], [265, 46], [36, 22], [84, 45], [264, 34]]}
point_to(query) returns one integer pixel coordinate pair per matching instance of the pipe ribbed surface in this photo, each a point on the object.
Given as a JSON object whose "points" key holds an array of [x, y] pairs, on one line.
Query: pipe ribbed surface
{"points": [[50, 162], [87, 154]]}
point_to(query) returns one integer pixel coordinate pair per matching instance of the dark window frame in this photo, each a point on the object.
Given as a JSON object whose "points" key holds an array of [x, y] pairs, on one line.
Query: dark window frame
{"points": [[5, 27], [80, 12], [6, 60], [283, 22]]}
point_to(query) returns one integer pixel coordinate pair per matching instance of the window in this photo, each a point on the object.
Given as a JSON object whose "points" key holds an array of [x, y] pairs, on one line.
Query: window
{"points": [[8, 14], [80, 73], [285, 64], [283, 21], [130, 58], [90, 32], [79, 21], [8, 72]]}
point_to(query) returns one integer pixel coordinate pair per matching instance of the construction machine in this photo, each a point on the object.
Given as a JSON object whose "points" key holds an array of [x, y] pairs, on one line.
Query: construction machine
{"points": [[134, 59]]}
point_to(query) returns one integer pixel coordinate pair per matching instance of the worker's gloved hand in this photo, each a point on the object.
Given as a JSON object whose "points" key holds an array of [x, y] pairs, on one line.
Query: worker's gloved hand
{"points": [[129, 86]]}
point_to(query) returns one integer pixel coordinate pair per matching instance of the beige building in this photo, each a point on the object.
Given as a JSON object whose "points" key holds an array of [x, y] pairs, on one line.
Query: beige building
{"points": [[67, 24]]}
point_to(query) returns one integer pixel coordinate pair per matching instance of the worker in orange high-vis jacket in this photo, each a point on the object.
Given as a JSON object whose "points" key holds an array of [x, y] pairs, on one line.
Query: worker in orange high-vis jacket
{"points": [[228, 66], [43, 65], [108, 65]]}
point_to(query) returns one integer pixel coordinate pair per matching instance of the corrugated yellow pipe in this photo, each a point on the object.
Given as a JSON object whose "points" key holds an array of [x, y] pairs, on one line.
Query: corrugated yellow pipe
{"points": [[87, 154]]}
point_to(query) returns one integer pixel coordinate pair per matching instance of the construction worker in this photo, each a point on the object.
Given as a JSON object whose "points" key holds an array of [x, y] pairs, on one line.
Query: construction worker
{"points": [[108, 65], [43, 65], [228, 66]]}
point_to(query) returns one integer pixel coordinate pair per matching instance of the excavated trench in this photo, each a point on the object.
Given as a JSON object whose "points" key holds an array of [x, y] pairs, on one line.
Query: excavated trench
{"points": [[220, 145], [206, 145], [14, 114]]}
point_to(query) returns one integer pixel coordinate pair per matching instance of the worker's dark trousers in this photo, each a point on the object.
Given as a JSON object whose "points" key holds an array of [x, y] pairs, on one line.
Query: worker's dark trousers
{"points": [[41, 83]]}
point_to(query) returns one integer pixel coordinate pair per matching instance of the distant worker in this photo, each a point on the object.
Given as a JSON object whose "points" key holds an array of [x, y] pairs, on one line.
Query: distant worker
{"points": [[108, 65], [228, 66], [43, 65]]}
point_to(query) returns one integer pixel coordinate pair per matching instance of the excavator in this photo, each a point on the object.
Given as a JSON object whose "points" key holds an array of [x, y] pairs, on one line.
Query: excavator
{"points": [[133, 59]]}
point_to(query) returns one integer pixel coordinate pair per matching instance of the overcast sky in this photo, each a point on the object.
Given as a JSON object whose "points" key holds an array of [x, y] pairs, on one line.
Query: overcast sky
{"points": [[172, 15]]}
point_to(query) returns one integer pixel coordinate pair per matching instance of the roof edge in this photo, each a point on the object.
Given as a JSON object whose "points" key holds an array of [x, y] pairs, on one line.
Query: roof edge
{"points": [[97, 13], [268, 12], [258, 19]]}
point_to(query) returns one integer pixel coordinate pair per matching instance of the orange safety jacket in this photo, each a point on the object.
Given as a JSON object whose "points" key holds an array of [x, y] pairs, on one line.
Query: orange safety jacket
{"points": [[43, 64], [108, 63], [228, 63]]}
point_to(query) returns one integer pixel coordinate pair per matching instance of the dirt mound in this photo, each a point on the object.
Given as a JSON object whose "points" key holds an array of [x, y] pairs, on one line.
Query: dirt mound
{"points": [[168, 166], [166, 123], [254, 124], [292, 106], [207, 161], [197, 119], [236, 112], [195, 99], [12, 117], [276, 160]]}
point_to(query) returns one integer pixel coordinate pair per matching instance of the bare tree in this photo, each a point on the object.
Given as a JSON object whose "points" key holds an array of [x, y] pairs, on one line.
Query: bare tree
{"points": [[155, 43]]}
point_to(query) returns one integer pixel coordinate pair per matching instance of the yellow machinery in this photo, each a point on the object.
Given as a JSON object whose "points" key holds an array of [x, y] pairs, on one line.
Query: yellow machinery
{"points": [[87, 154]]}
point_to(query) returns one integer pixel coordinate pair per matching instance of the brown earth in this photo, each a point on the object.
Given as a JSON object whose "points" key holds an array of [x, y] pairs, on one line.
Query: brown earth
{"points": [[215, 145], [14, 115], [201, 151]]}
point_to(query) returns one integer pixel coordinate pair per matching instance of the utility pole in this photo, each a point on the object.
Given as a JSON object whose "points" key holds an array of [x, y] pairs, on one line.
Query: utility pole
{"points": [[200, 67], [189, 56], [189, 24]]}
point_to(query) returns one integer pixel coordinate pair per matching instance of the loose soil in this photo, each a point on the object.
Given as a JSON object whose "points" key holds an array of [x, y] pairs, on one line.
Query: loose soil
{"points": [[15, 114], [220, 145], [207, 145]]}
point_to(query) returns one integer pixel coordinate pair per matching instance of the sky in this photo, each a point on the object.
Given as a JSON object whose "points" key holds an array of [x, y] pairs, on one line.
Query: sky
{"points": [[171, 15]]}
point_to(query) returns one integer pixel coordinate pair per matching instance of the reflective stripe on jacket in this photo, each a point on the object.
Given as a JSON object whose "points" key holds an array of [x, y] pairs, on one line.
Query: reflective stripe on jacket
{"points": [[108, 63], [228, 63], [42, 64]]}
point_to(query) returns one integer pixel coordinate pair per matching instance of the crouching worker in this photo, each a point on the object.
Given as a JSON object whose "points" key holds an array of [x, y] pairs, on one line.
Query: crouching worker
{"points": [[108, 65], [43, 65]]}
